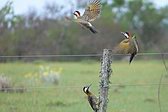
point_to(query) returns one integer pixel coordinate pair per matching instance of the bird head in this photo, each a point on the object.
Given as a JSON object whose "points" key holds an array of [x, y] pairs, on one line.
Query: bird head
{"points": [[86, 89], [126, 34], [76, 14]]}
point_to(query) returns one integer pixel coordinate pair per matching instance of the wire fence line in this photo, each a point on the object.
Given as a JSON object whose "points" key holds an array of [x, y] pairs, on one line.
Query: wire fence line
{"points": [[84, 55], [111, 86], [74, 55]]}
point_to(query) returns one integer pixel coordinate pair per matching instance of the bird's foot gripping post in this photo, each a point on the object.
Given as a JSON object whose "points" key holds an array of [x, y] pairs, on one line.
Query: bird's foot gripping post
{"points": [[105, 74]]}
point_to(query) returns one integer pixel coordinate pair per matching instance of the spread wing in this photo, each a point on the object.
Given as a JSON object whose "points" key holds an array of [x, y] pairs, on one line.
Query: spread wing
{"points": [[92, 11]]}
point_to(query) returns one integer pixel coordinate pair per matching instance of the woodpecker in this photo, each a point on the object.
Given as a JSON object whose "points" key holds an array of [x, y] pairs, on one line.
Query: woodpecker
{"points": [[127, 46], [92, 11], [93, 100]]}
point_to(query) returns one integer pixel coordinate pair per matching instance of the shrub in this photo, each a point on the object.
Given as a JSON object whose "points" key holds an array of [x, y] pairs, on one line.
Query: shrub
{"points": [[49, 75], [45, 74], [5, 83]]}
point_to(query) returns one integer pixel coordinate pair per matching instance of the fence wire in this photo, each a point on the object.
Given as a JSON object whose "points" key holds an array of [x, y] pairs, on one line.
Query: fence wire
{"points": [[90, 55], [74, 87], [73, 55]]}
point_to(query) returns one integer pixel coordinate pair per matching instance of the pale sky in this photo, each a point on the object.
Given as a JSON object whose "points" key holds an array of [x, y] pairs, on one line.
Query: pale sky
{"points": [[22, 6]]}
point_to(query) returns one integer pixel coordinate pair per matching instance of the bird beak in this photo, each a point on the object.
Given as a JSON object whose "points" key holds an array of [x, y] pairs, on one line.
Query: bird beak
{"points": [[122, 33], [73, 13], [89, 85]]}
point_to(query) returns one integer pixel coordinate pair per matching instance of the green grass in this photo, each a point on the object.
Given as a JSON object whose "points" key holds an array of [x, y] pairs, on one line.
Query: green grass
{"points": [[69, 97]]}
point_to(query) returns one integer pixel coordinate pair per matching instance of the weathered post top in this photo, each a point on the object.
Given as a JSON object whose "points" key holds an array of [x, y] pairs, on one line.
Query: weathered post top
{"points": [[105, 74]]}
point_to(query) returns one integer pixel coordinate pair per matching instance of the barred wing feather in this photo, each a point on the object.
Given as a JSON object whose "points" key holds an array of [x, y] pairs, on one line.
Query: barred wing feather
{"points": [[92, 11]]}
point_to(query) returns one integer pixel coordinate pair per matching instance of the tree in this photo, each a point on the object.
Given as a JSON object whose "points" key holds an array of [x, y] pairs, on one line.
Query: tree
{"points": [[8, 18]]}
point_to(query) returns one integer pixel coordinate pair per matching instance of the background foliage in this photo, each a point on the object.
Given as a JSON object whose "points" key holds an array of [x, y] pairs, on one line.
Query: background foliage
{"points": [[50, 33]]}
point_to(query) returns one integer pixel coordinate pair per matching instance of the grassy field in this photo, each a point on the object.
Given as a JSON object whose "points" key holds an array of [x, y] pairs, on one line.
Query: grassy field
{"points": [[68, 95]]}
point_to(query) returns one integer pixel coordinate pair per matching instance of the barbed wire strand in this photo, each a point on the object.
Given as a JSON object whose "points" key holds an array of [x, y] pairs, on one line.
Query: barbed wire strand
{"points": [[51, 87], [69, 55]]}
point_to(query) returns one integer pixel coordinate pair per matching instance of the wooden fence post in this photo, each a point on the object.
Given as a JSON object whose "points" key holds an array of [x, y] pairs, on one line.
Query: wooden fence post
{"points": [[104, 79]]}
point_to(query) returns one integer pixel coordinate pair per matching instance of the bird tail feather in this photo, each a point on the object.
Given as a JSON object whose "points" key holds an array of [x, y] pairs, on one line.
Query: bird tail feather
{"points": [[93, 30], [131, 58]]}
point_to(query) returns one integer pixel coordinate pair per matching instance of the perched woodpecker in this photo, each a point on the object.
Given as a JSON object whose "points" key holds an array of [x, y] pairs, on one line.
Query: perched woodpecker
{"points": [[93, 100], [92, 11], [127, 46]]}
